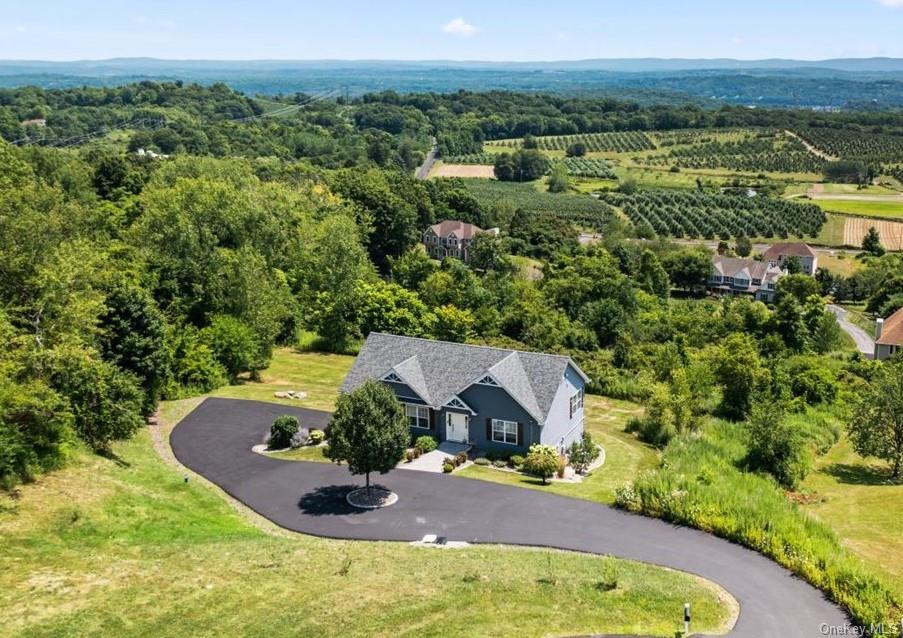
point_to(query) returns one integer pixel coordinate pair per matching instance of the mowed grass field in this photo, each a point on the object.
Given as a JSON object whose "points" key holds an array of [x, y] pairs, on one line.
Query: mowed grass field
{"points": [[123, 546], [856, 498], [890, 209]]}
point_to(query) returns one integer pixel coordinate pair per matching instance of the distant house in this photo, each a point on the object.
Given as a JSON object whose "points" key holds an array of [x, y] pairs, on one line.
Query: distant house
{"points": [[889, 335], [491, 398], [450, 238], [734, 276], [778, 255], [38, 121]]}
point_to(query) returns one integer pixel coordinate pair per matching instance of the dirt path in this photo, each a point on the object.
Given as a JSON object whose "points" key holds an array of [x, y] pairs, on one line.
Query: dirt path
{"points": [[812, 149]]}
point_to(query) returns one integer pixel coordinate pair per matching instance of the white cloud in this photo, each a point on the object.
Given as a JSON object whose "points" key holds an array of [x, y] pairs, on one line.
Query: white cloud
{"points": [[461, 28], [20, 29], [891, 3]]}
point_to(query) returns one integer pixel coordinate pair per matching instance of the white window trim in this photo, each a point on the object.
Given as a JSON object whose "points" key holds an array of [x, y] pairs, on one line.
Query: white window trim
{"points": [[392, 377], [417, 415], [504, 423], [488, 379], [575, 404]]}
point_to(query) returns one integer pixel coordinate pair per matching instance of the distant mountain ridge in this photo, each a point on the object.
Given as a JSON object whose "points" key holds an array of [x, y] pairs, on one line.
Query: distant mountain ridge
{"points": [[621, 65], [861, 83]]}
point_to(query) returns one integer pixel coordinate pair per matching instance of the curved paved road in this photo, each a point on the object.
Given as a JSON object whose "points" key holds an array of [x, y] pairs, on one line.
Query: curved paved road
{"points": [[864, 342], [215, 440]]}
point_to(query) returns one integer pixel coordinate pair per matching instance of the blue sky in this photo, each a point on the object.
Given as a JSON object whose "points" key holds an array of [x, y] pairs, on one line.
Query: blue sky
{"points": [[461, 30]]}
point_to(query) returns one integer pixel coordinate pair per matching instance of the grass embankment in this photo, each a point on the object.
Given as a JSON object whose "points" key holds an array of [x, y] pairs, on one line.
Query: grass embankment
{"points": [[125, 547], [625, 457], [856, 498], [840, 263], [700, 484]]}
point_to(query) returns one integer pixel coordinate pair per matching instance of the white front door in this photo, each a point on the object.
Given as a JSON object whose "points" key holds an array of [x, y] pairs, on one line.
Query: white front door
{"points": [[456, 427]]}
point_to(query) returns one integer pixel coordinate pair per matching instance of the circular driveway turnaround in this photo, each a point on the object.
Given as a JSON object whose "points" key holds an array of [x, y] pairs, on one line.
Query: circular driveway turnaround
{"points": [[215, 440]]}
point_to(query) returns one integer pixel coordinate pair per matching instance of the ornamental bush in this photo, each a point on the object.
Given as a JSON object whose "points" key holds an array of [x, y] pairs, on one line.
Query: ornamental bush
{"points": [[317, 437], [542, 461], [425, 443], [282, 431]]}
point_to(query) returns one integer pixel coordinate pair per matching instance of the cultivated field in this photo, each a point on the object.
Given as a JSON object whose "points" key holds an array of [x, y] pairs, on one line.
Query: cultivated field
{"points": [[866, 205], [891, 233], [462, 170]]}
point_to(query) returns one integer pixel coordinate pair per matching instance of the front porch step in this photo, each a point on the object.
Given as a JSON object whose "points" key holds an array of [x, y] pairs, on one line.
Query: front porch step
{"points": [[452, 448]]}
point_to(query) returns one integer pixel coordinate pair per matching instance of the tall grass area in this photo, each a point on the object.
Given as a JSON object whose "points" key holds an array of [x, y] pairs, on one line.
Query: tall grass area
{"points": [[701, 483]]}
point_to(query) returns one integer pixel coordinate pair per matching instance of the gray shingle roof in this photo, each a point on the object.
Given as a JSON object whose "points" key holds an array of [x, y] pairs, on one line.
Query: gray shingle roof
{"points": [[438, 370]]}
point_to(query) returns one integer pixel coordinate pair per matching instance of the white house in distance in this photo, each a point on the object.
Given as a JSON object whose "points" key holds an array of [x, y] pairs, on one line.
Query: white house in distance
{"points": [[889, 335], [451, 238], [778, 255], [735, 276]]}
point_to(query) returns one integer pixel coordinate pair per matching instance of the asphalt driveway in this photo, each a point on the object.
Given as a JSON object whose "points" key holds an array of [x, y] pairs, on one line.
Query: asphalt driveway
{"points": [[215, 440], [864, 342]]}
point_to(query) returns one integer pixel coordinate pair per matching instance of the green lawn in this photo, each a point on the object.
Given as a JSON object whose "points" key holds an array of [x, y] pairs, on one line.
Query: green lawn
{"points": [[319, 375], [625, 456], [840, 263], [865, 208], [855, 497], [125, 547]]}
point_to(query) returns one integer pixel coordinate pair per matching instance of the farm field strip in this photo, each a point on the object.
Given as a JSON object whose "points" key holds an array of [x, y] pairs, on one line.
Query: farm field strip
{"points": [[891, 233], [442, 169], [619, 142], [866, 206]]}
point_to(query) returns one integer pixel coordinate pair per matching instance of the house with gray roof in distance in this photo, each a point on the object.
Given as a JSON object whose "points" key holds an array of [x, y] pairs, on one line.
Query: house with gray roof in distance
{"points": [[734, 276], [491, 398], [450, 238], [778, 254]]}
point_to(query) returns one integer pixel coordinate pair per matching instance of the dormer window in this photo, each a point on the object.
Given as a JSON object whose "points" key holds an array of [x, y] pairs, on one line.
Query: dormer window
{"points": [[394, 378], [487, 380]]}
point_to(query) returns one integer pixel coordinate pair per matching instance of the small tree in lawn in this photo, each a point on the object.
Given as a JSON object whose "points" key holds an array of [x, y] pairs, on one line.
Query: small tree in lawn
{"points": [[542, 460], [876, 428], [369, 431]]}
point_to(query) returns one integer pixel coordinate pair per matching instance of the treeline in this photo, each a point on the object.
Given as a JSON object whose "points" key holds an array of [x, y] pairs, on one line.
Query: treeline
{"points": [[173, 117], [125, 280], [463, 120]]}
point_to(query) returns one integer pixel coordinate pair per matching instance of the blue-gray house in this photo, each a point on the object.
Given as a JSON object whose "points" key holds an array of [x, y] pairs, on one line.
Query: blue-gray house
{"points": [[491, 398]]}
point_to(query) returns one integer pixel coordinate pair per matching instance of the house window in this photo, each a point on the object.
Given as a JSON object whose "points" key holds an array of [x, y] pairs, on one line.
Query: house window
{"points": [[418, 416], [576, 402], [504, 431], [487, 380], [393, 378]]}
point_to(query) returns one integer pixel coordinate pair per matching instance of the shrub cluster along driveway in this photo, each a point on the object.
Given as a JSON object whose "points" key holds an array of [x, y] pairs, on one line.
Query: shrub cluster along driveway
{"points": [[216, 439]]}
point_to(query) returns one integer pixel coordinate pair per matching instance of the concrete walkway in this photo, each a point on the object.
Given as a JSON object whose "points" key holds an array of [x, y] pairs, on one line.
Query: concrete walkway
{"points": [[433, 461], [864, 342], [215, 440]]}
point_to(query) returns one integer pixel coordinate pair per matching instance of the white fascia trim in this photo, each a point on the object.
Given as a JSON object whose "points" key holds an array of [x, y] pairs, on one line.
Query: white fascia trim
{"points": [[454, 407]]}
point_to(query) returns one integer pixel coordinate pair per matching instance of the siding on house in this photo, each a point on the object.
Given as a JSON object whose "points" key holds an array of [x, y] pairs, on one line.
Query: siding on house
{"points": [[532, 390], [561, 427]]}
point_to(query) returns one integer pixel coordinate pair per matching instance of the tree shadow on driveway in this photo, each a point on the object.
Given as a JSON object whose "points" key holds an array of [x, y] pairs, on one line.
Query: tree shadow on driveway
{"points": [[329, 500]]}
